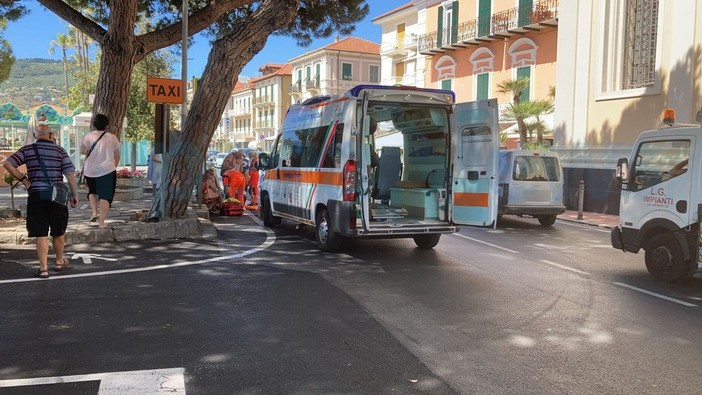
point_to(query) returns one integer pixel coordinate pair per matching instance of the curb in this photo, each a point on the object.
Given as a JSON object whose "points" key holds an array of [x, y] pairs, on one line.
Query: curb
{"points": [[194, 226]]}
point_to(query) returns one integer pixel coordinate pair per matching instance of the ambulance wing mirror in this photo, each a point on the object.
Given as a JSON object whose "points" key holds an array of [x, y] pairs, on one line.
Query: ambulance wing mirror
{"points": [[622, 172], [264, 160]]}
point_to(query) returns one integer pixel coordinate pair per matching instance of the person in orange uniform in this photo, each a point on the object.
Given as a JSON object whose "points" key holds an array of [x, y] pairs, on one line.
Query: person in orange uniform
{"points": [[237, 178], [253, 178]]}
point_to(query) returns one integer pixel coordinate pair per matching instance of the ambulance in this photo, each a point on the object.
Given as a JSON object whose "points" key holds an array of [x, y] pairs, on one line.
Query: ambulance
{"points": [[661, 200], [324, 170]]}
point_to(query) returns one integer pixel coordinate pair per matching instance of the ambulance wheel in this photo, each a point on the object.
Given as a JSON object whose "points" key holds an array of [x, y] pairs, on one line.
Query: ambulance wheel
{"points": [[427, 242], [547, 220], [664, 259], [327, 240], [266, 215]]}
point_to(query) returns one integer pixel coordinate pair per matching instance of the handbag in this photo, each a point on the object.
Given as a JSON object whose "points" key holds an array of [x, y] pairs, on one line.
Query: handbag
{"points": [[58, 193], [81, 179]]}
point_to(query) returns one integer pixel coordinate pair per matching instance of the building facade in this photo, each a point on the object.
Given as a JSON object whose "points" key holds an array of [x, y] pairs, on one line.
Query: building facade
{"points": [[271, 100], [240, 114], [401, 63], [473, 46], [335, 68], [620, 64]]}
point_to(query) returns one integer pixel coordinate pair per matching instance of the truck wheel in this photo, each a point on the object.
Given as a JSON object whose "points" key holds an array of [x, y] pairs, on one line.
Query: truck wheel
{"points": [[267, 215], [664, 259], [327, 240], [427, 242], [547, 220]]}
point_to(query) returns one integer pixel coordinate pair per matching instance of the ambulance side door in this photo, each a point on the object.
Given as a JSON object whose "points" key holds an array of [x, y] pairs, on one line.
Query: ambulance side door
{"points": [[475, 150]]}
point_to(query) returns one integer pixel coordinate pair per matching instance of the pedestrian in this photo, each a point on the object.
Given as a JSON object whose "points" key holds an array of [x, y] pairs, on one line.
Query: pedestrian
{"points": [[100, 170], [47, 164], [153, 171]]}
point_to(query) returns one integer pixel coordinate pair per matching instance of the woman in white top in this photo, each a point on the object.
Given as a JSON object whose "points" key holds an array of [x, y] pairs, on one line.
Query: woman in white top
{"points": [[100, 170]]}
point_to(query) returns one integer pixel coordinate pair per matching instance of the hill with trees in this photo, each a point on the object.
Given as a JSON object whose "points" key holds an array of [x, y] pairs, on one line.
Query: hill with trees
{"points": [[34, 81]]}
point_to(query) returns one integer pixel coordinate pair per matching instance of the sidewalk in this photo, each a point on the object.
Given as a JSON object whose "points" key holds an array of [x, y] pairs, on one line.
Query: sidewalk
{"points": [[595, 219], [123, 222]]}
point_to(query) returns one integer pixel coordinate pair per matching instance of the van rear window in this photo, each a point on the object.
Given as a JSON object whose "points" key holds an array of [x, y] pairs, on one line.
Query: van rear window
{"points": [[535, 168]]}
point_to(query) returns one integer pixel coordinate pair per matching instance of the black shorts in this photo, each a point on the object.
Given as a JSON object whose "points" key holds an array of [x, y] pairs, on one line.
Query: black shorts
{"points": [[103, 186], [43, 214]]}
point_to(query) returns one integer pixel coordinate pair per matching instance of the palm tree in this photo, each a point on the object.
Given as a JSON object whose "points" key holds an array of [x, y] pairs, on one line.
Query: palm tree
{"points": [[515, 88], [64, 42]]}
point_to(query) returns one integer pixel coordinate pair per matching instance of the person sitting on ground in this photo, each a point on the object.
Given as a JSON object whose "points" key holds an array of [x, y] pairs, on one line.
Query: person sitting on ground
{"points": [[211, 192]]}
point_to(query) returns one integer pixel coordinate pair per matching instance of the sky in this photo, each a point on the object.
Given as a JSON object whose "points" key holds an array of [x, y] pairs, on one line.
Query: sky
{"points": [[31, 36]]}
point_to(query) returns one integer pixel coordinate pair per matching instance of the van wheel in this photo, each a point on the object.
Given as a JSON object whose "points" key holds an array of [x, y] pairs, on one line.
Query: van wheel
{"points": [[664, 259], [427, 242], [547, 220], [327, 240], [267, 215]]}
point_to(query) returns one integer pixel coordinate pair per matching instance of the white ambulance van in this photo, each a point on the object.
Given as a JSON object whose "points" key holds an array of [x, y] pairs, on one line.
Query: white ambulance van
{"points": [[661, 200], [531, 183], [323, 170]]}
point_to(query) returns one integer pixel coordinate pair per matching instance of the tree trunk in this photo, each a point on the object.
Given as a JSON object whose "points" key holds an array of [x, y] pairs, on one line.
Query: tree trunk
{"points": [[133, 155], [226, 59], [116, 65], [522, 131]]}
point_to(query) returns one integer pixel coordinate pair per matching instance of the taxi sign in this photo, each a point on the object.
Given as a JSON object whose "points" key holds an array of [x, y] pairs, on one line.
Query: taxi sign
{"points": [[164, 90]]}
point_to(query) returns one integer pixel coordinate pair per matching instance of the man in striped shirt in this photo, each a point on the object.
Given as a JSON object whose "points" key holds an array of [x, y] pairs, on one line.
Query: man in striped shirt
{"points": [[43, 215]]}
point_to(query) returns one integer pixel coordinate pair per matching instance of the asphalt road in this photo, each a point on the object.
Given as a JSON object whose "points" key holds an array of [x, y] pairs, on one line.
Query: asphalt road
{"points": [[521, 309]]}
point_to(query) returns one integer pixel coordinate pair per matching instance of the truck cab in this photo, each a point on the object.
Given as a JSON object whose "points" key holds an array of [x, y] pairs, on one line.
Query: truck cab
{"points": [[660, 201]]}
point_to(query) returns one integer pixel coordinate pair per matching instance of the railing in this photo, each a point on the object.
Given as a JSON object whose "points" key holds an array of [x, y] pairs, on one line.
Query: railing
{"points": [[296, 87], [400, 80], [499, 22], [312, 84]]}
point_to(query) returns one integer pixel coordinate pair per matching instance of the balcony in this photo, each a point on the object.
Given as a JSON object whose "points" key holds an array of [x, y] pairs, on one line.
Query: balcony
{"points": [[501, 25], [313, 85], [239, 112], [399, 48], [407, 79], [263, 101], [296, 88]]}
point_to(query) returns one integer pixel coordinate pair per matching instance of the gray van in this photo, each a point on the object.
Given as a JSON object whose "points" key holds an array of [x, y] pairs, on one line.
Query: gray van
{"points": [[531, 184]]}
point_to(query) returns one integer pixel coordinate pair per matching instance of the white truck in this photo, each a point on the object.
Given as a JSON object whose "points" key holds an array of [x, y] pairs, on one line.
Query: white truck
{"points": [[661, 200]]}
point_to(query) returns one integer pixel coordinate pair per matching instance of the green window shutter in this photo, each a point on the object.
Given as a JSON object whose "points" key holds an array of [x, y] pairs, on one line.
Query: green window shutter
{"points": [[317, 72], [524, 13], [524, 72], [446, 84], [454, 22], [440, 27], [484, 11], [482, 91]]}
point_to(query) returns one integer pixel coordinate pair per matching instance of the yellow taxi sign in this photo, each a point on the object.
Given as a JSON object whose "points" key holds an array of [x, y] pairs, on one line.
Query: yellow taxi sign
{"points": [[164, 90]]}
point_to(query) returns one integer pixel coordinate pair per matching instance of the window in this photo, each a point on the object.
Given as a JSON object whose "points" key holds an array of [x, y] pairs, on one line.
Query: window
{"points": [[308, 73], [303, 148], [317, 73], [482, 83], [535, 168], [525, 72], [374, 74], [446, 84], [447, 31], [658, 161], [641, 24], [346, 71], [628, 51]]}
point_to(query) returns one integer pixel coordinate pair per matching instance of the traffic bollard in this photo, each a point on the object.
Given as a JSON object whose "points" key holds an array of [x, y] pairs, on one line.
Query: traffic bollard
{"points": [[581, 199]]}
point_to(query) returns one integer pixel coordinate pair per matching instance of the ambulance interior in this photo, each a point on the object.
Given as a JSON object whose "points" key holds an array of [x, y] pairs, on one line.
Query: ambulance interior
{"points": [[408, 182]]}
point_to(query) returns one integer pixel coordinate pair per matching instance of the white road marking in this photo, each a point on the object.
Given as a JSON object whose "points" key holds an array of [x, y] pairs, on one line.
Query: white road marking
{"points": [[668, 298], [564, 267], [88, 258], [270, 239], [485, 242], [147, 382]]}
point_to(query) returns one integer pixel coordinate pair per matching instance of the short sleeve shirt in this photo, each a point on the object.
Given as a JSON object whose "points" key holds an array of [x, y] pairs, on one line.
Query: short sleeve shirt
{"points": [[102, 160], [56, 162]]}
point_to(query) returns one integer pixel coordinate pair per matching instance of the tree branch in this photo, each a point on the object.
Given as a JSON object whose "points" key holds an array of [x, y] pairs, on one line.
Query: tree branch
{"points": [[197, 22], [75, 18]]}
